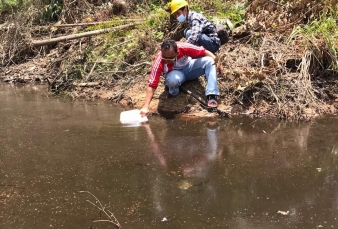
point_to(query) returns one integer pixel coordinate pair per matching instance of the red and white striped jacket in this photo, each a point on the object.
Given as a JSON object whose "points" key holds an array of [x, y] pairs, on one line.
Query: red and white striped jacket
{"points": [[185, 52]]}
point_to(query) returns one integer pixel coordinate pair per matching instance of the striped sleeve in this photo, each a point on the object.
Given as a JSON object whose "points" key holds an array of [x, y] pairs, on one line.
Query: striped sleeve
{"points": [[156, 71], [192, 50]]}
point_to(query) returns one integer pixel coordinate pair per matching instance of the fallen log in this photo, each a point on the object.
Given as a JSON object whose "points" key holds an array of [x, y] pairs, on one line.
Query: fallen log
{"points": [[36, 43], [96, 23], [89, 84]]}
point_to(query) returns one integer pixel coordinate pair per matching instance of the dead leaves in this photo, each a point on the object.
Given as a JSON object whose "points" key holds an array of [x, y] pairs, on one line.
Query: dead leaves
{"points": [[267, 15]]}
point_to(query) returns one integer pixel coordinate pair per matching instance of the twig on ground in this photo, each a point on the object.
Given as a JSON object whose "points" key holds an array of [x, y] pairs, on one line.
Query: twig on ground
{"points": [[85, 2], [109, 214], [274, 95], [91, 71], [122, 43]]}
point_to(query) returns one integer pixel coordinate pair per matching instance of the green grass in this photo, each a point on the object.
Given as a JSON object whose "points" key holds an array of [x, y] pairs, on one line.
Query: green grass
{"points": [[221, 11], [322, 29], [234, 12], [9, 4]]}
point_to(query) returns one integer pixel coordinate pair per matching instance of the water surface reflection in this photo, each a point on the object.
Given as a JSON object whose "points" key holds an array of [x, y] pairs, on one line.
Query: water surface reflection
{"points": [[233, 173]]}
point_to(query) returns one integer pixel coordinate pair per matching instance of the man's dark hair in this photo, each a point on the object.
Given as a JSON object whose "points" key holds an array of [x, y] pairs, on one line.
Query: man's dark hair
{"points": [[167, 43]]}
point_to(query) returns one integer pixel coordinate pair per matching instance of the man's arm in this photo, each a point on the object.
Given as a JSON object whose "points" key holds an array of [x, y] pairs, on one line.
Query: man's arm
{"points": [[154, 78], [207, 53], [149, 95]]}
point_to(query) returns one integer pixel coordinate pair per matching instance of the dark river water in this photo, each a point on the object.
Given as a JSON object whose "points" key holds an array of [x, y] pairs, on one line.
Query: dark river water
{"points": [[237, 173]]}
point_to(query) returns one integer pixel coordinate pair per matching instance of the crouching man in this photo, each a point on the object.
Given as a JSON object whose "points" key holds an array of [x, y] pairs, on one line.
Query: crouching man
{"points": [[179, 62]]}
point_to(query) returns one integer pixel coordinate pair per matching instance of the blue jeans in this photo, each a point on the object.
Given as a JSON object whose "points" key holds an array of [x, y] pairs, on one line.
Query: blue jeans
{"points": [[194, 69], [204, 41]]}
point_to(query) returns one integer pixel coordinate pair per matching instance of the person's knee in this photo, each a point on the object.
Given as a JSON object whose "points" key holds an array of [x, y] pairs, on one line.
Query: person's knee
{"points": [[215, 49], [209, 60], [212, 47], [173, 80]]}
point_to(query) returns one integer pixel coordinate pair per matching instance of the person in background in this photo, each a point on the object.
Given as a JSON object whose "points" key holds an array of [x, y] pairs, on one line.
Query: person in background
{"points": [[180, 62], [202, 32]]}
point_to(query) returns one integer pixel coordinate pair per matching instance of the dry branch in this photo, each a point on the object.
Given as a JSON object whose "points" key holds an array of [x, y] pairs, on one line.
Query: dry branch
{"points": [[36, 43], [109, 214], [89, 84], [91, 71]]}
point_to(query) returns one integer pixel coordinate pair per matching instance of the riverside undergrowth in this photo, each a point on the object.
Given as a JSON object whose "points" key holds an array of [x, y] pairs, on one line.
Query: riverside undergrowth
{"points": [[320, 36], [280, 60]]}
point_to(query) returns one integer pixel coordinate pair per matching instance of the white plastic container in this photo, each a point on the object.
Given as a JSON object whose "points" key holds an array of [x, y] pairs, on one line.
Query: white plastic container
{"points": [[132, 117]]}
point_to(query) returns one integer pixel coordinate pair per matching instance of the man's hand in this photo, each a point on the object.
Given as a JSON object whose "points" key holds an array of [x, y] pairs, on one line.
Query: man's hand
{"points": [[144, 111], [149, 95], [219, 67], [216, 59], [208, 53]]}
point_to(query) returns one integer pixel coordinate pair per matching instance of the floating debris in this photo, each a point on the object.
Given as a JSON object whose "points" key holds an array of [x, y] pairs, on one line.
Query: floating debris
{"points": [[284, 212], [184, 185], [164, 219]]}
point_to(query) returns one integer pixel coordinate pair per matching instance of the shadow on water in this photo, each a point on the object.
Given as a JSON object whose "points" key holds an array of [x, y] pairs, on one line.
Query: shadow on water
{"points": [[235, 173]]}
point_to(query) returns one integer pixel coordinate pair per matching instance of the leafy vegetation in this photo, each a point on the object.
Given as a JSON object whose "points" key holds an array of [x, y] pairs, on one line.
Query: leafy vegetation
{"points": [[321, 35], [222, 12], [264, 70], [52, 11], [234, 12], [11, 4], [126, 47]]}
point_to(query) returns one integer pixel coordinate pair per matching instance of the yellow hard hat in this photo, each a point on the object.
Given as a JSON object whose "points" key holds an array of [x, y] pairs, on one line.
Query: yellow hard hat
{"points": [[177, 4]]}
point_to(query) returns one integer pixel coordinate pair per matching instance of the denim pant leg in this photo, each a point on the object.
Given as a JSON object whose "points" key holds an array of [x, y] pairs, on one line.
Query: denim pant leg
{"points": [[203, 65], [204, 41], [173, 80]]}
